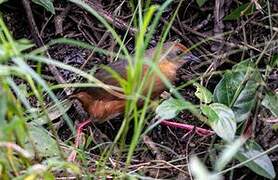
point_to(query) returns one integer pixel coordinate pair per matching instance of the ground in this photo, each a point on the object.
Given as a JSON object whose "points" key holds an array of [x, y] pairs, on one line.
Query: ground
{"points": [[194, 24]]}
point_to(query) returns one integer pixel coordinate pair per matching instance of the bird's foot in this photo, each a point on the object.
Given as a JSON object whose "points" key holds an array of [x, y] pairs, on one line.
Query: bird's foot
{"points": [[80, 128]]}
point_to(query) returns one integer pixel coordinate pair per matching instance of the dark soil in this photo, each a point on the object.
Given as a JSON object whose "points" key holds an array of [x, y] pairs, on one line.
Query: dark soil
{"points": [[174, 143]]}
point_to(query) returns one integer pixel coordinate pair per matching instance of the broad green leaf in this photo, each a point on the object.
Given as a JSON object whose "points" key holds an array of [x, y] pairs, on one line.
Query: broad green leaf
{"points": [[261, 165], [225, 90], [237, 94], [171, 107], [210, 113], [222, 120], [270, 101], [47, 4], [203, 93], [201, 2], [244, 9], [245, 101], [45, 145]]}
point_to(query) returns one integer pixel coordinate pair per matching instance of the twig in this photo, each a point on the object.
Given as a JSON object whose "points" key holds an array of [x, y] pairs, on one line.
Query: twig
{"points": [[38, 40], [59, 19], [218, 31], [271, 120], [118, 23], [155, 151], [39, 43], [90, 57]]}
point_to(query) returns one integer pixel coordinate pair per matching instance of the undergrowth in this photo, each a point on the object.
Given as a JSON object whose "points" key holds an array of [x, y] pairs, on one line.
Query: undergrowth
{"points": [[30, 144]]}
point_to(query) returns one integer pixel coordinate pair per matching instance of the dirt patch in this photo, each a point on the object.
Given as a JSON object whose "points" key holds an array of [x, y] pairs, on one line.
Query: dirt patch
{"points": [[193, 25]]}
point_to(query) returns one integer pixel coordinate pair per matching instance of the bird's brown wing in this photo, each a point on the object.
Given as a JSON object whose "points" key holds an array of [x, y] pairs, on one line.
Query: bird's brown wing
{"points": [[107, 78]]}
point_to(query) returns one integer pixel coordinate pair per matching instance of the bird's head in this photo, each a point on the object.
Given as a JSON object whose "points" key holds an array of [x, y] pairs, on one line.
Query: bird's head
{"points": [[178, 53], [83, 97]]}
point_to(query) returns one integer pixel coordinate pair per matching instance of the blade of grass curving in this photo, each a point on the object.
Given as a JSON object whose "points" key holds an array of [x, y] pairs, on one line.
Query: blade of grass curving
{"points": [[111, 89], [135, 75], [126, 33], [168, 27], [156, 21], [19, 94], [72, 85], [27, 105], [84, 45], [19, 61], [139, 125], [8, 36], [105, 23], [139, 118]]}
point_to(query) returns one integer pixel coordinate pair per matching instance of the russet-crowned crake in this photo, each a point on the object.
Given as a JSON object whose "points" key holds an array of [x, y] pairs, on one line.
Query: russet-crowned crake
{"points": [[103, 106]]}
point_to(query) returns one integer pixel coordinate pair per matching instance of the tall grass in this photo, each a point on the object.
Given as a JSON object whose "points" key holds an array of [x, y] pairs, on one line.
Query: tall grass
{"points": [[17, 113], [131, 87], [16, 110]]}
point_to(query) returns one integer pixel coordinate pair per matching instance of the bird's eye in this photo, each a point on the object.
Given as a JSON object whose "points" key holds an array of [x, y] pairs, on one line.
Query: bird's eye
{"points": [[179, 52]]}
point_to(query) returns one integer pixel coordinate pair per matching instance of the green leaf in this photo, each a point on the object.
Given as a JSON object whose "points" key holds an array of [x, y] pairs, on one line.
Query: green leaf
{"points": [[201, 2], [270, 101], [210, 113], [203, 93], [225, 90], [47, 4], [237, 94], [222, 120], [261, 165], [45, 145], [171, 107], [244, 9]]}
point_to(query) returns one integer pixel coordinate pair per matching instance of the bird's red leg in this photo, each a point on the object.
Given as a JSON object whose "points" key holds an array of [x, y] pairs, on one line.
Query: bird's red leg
{"points": [[198, 130], [80, 128]]}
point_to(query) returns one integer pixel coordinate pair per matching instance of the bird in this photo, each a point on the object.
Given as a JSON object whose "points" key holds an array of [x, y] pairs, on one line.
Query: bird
{"points": [[103, 106]]}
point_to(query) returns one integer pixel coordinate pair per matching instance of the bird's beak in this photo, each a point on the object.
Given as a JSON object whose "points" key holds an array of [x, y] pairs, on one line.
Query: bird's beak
{"points": [[191, 58]]}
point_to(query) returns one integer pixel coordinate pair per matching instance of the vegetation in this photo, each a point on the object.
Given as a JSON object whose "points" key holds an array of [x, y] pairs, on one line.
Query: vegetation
{"points": [[219, 120]]}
